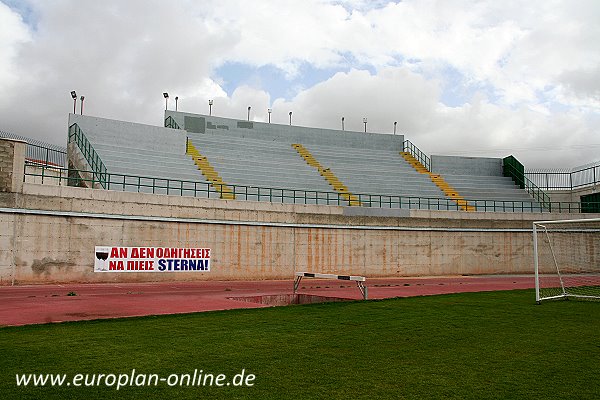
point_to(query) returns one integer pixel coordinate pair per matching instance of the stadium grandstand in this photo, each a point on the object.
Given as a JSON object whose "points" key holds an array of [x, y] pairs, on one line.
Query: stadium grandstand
{"points": [[207, 156], [270, 200], [212, 157]]}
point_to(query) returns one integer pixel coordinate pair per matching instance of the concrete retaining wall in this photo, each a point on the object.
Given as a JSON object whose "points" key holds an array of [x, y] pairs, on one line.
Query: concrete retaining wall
{"points": [[49, 233], [569, 196]]}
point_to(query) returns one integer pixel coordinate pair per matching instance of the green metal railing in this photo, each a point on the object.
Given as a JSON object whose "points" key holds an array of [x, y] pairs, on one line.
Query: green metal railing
{"points": [[170, 123], [98, 170], [145, 184], [423, 158], [513, 171]]}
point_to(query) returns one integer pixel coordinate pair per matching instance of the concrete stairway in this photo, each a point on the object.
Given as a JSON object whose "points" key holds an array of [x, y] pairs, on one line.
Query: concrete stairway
{"points": [[209, 172], [326, 173], [439, 181]]}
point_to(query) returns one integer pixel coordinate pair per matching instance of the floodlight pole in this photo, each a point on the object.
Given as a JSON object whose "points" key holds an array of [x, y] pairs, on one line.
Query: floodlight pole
{"points": [[210, 104], [249, 108], [290, 118], [365, 122], [176, 99], [269, 110], [82, 98], [395, 123], [166, 96], [74, 97], [343, 123]]}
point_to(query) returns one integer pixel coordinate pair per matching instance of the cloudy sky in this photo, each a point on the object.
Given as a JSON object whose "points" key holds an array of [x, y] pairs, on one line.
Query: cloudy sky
{"points": [[484, 78]]}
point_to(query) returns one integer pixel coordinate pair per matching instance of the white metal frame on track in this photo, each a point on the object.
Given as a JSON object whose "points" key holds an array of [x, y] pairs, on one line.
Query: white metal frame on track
{"points": [[358, 279]]}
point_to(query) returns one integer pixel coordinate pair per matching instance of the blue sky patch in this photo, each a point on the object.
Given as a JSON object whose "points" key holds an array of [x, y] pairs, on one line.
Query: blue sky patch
{"points": [[271, 79], [276, 82], [24, 9]]}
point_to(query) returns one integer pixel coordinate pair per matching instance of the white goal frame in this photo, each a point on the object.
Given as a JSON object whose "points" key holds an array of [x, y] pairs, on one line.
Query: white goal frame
{"points": [[565, 293]]}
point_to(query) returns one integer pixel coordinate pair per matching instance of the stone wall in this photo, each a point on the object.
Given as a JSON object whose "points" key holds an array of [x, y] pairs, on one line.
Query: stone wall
{"points": [[12, 161]]}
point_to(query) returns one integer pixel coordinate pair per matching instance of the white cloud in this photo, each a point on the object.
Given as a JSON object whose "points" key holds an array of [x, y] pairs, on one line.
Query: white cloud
{"points": [[527, 72], [13, 34], [479, 128]]}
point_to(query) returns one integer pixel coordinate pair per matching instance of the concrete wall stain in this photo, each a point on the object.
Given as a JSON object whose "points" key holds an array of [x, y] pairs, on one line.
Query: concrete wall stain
{"points": [[47, 265]]}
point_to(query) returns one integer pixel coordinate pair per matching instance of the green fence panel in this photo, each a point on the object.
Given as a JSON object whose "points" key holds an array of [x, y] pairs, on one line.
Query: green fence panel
{"points": [[512, 168], [590, 203]]}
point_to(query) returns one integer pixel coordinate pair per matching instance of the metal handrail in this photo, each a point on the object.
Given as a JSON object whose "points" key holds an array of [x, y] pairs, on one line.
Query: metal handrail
{"points": [[538, 194], [566, 180], [170, 123], [77, 136], [423, 158], [45, 155], [156, 185]]}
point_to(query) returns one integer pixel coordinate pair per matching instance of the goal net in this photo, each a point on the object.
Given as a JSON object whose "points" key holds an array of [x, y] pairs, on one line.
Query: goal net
{"points": [[567, 259]]}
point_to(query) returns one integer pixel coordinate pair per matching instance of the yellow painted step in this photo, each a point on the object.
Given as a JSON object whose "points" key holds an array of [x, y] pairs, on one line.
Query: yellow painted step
{"points": [[225, 192], [329, 176], [439, 181]]}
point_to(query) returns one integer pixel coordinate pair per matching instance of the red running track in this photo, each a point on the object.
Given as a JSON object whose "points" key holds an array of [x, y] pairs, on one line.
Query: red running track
{"points": [[37, 304]]}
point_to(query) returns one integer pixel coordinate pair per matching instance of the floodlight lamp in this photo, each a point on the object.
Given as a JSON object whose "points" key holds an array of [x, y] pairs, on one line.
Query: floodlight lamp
{"points": [[82, 98], [166, 95], [365, 120], [210, 102], [73, 95]]}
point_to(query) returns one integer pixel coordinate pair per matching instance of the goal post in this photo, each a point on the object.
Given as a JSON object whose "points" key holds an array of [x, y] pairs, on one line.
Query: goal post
{"points": [[567, 259]]}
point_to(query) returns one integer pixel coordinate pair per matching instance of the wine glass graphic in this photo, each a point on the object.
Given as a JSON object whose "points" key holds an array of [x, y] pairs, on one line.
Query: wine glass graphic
{"points": [[102, 256]]}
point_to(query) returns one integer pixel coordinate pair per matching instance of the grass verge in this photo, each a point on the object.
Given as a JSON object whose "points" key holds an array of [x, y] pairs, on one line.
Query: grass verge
{"points": [[494, 345]]}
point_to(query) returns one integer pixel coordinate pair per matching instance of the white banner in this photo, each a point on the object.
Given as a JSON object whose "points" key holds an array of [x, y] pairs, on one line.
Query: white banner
{"points": [[151, 259]]}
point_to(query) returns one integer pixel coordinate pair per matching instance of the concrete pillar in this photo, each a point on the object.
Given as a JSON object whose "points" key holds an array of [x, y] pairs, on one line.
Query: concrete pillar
{"points": [[12, 165]]}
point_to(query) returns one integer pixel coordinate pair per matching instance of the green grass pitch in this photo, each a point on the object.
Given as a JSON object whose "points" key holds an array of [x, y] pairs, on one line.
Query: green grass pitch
{"points": [[495, 345]]}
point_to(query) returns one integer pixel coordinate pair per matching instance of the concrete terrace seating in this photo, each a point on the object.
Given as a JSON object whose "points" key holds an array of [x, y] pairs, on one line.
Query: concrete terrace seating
{"points": [[253, 163], [153, 158], [261, 154], [261, 163], [492, 192], [480, 181], [383, 173], [257, 162]]}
